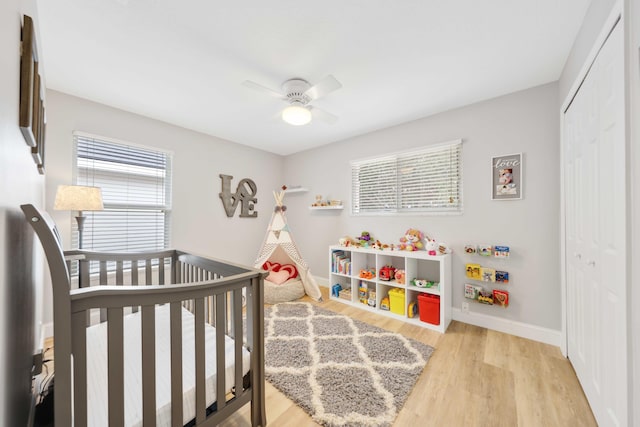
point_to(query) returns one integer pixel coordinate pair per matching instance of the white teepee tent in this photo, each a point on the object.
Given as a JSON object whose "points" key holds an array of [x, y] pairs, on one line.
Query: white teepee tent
{"points": [[279, 246]]}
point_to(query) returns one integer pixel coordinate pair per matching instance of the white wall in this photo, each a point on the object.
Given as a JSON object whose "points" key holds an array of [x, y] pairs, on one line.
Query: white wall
{"points": [[199, 222], [20, 183], [525, 122], [632, 12]]}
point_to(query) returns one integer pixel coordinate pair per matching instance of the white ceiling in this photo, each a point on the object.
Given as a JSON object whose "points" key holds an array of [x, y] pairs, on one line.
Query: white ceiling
{"points": [[183, 62]]}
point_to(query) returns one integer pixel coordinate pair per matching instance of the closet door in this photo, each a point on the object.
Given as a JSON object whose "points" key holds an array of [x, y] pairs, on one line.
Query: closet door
{"points": [[595, 233]]}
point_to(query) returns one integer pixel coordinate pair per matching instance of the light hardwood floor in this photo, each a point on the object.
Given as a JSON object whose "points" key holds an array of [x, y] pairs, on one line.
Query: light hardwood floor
{"points": [[476, 377]]}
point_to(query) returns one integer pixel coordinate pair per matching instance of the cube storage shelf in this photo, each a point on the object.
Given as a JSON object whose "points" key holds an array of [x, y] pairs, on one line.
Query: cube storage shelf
{"points": [[417, 264]]}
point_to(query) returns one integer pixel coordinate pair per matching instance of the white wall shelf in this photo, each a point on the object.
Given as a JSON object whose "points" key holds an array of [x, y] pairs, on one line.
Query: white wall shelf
{"points": [[320, 208], [417, 264], [296, 190]]}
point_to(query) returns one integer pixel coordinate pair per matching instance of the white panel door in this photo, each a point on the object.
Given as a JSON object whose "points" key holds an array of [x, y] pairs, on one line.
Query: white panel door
{"points": [[595, 233]]}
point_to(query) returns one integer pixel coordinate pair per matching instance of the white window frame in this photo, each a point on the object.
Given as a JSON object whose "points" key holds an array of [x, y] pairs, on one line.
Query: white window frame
{"points": [[164, 208], [387, 161]]}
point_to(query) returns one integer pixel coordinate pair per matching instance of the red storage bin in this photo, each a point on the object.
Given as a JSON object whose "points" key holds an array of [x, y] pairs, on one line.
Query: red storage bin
{"points": [[429, 308]]}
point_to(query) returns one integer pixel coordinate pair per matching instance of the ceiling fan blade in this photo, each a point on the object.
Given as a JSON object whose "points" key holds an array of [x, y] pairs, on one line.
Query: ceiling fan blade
{"points": [[264, 89], [320, 114], [323, 87]]}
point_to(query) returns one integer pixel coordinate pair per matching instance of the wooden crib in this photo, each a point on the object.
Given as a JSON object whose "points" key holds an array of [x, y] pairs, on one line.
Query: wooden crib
{"points": [[186, 301]]}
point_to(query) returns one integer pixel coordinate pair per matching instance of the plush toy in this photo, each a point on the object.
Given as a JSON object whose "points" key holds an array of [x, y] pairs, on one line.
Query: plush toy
{"points": [[365, 239], [412, 240], [346, 241], [378, 245], [443, 248], [432, 247]]}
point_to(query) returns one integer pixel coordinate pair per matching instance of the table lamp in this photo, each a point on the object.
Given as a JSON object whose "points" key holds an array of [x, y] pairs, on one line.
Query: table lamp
{"points": [[78, 198]]}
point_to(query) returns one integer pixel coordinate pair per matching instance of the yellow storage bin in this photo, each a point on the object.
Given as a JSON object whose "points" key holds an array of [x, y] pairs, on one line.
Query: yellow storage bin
{"points": [[396, 297]]}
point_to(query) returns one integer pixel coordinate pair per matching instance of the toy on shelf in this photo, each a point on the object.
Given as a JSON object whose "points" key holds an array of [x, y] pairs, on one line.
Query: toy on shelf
{"points": [[378, 245], [412, 240], [363, 292], [501, 297], [501, 251], [319, 202], [400, 276], [367, 273], [473, 271], [412, 310], [372, 298], [345, 294], [471, 249], [443, 248], [472, 291], [484, 250], [365, 239], [485, 297], [431, 247], [335, 290], [502, 276], [422, 283], [387, 273], [384, 304], [488, 274], [346, 241]]}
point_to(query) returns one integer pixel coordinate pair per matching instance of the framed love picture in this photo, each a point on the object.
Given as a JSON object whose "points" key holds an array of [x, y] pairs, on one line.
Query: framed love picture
{"points": [[506, 177]]}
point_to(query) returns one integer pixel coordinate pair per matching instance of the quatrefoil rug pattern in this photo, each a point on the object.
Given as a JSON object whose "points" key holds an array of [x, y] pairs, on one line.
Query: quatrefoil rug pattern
{"points": [[341, 371]]}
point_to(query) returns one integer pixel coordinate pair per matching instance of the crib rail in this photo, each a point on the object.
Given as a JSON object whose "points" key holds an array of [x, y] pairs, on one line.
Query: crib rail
{"points": [[226, 294]]}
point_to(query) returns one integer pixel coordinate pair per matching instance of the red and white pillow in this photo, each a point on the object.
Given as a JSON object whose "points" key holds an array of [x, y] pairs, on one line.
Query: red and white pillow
{"points": [[280, 273]]}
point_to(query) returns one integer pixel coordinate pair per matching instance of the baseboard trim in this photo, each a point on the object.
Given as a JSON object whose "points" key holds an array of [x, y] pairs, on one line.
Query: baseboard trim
{"points": [[523, 330], [519, 329]]}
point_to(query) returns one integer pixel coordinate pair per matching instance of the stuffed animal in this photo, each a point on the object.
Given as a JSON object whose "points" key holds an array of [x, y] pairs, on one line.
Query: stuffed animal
{"points": [[378, 245], [365, 239], [412, 240], [432, 247], [346, 241]]}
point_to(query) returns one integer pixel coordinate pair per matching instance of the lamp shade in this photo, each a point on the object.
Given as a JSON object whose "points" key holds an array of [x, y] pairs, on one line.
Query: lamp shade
{"points": [[296, 115], [78, 198]]}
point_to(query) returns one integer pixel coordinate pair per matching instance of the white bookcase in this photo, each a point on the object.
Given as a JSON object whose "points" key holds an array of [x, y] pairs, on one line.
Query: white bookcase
{"points": [[418, 264]]}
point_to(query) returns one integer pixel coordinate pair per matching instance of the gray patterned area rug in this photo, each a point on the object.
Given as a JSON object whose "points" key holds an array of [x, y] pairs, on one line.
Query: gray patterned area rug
{"points": [[341, 371]]}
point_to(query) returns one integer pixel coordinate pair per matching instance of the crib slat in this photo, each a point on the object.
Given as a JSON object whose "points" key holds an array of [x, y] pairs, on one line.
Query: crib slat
{"points": [[115, 363], [258, 414], [103, 272], [119, 273], [147, 275], [176, 364], [79, 344], [237, 337], [149, 365], [134, 272], [220, 362], [161, 271], [201, 401], [83, 279]]}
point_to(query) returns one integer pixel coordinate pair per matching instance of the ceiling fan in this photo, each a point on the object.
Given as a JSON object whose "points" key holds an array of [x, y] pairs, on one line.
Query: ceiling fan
{"points": [[299, 94]]}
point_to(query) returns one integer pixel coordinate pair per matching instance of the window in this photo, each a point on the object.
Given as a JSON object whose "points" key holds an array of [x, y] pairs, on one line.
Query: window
{"points": [[423, 181], [136, 190]]}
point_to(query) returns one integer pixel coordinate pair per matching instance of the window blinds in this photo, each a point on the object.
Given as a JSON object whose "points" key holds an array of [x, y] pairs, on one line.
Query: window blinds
{"points": [[136, 191], [428, 180]]}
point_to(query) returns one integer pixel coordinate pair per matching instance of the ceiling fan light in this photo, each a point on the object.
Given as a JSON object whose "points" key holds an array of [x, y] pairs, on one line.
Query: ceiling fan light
{"points": [[296, 115]]}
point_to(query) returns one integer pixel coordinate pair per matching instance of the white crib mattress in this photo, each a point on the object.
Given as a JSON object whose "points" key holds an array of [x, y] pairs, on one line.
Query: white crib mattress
{"points": [[97, 369]]}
